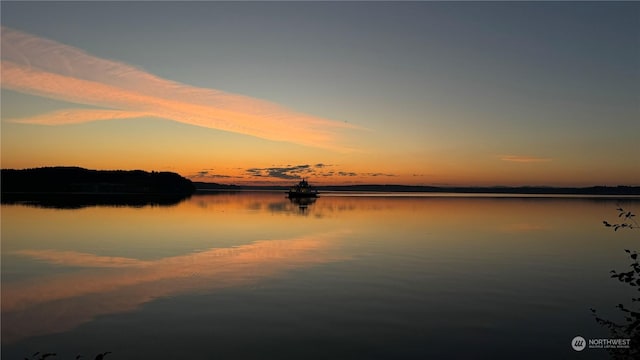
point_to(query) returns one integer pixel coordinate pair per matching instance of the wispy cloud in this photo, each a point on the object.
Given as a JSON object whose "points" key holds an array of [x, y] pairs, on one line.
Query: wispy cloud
{"points": [[209, 174], [297, 171], [523, 159], [379, 174], [64, 117], [288, 172], [43, 67], [214, 176]]}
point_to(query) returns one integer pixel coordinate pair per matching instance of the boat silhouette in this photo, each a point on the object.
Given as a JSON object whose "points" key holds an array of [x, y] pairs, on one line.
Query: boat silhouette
{"points": [[302, 190]]}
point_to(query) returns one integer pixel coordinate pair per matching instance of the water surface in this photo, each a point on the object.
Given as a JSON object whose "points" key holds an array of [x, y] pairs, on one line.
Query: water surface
{"points": [[253, 275]]}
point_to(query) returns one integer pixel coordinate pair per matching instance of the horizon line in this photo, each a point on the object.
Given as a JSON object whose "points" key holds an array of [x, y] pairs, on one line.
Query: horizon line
{"points": [[430, 186]]}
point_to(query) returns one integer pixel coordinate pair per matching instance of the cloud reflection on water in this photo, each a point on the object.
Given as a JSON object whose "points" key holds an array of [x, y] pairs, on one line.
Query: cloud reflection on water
{"points": [[440, 237], [107, 285]]}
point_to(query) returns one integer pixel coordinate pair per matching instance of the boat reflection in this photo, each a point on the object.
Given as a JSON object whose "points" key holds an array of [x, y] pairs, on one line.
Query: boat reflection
{"points": [[303, 203]]}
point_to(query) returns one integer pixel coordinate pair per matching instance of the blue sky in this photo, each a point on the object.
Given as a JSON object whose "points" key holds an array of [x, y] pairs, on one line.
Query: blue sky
{"points": [[428, 92]]}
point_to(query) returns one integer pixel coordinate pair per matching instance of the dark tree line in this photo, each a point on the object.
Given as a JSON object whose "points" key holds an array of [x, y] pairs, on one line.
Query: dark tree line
{"points": [[80, 180]]}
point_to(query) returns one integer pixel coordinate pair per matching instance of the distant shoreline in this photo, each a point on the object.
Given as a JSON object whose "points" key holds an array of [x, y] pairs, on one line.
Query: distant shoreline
{"points": [[493, 190], [131, 183]]}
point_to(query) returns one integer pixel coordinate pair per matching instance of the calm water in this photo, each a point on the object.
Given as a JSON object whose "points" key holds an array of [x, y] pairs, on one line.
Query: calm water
{"points": [[252, 275]]}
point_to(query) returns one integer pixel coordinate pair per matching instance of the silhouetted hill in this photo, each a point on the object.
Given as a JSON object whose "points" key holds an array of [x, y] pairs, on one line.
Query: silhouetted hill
{"points": [[76, 180]]}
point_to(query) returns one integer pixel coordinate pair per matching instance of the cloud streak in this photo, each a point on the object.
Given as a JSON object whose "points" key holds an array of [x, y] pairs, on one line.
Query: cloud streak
{"points": [[65, 117], [46, 68], [306, 170], [523, 159], [288, 172]]}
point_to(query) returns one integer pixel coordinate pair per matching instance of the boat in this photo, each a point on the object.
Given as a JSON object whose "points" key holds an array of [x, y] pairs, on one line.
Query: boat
{"points": [[302, 190]]}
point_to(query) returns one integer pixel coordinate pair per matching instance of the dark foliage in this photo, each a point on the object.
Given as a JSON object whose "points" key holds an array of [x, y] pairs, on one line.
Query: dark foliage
{"points": [[630, 327], [38, 356], [41, 356], [627, 218]]}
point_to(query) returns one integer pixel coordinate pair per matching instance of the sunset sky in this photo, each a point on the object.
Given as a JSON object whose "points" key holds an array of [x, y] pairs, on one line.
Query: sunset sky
{"points": [[425, 93]]}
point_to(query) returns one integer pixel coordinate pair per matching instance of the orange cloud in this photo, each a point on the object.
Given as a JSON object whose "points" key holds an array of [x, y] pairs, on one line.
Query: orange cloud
{"points": [[64, 117], [47, 68]]}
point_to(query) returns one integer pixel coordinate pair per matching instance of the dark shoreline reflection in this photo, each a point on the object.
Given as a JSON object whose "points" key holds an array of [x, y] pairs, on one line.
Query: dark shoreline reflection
{"points": [[82, 200]]}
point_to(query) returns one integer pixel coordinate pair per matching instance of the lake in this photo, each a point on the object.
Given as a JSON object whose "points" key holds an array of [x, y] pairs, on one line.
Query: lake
{"points": [[252, 275]]}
